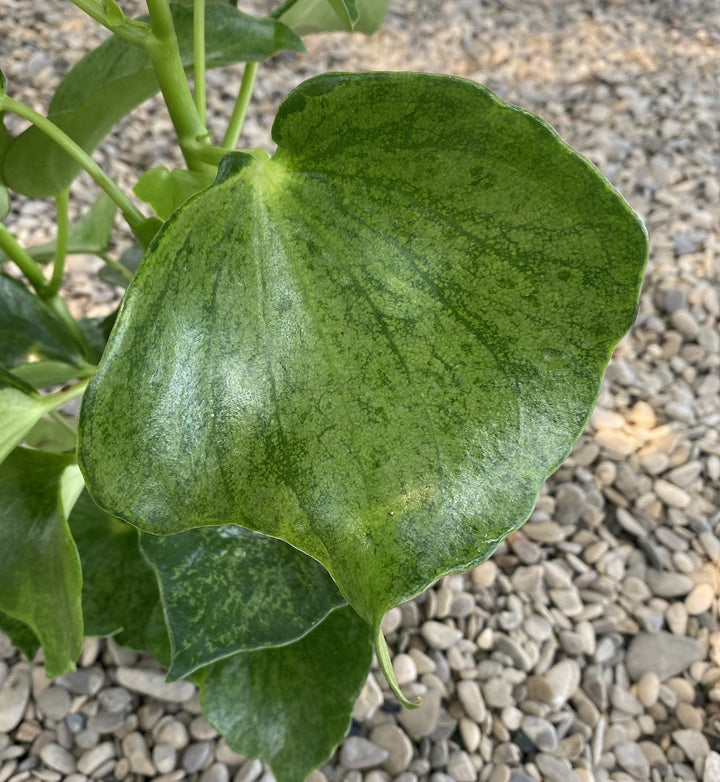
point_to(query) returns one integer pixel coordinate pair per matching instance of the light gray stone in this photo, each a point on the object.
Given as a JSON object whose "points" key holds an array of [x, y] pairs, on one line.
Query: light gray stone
{"points": [[357, 752], [196, 756], [554, 770], [397, 744], [692, 742], [164, 757], [58, 758], [460, 767], [92, 759], [661, 653], [631, 758], [541, 732], [439, 635], [423, 720], [14, 696], [152, 683], [54, 702], [217, 772], [711, 770], [471, 698]]}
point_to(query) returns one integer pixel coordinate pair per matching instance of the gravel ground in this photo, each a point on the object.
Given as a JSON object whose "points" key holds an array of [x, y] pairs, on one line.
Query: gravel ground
{"points": [[588, 647]]}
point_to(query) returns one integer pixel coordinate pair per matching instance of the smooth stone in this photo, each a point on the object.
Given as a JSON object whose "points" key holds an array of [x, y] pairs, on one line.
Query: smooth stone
{"points": [[164, 758], [463, 604], [569, 505], [554, 770], [676, 616], [357, 752], [423, 720], [369, 701], [217, 772], [497, 693], [520, 776], [563, 679], [700, 599], [92, 759], [648, 689], [135, 749], [664, 583], [440, 636], [538, 627], [249, 771], [14, 696], [54, 702], [690, 716], [625, 701], [196, 756], [392, 620], [460, 767], [631, 758], [58, 758], [692, 742], [541, 732], [711, 771], [567, 600], [671, 494], [84, 681], [484, 575], [397, 744], [115, 699], [105, 721], [470, 733], [170, 731], [405, 669], [202, 730], [152, 683], [471, 698], [546, 531], [662, 653]]}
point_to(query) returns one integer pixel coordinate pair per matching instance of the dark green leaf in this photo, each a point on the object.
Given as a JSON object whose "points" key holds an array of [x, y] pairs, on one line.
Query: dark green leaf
{"points": [[40, 579], [262, 593], [32, 333], [318, 16], [21, 636], [90, 234], [97, 331], [5, 141], [116, 77], [291, 705], [130, 259], [119, 588], [42, 374], [375, 345], [166, 190]]}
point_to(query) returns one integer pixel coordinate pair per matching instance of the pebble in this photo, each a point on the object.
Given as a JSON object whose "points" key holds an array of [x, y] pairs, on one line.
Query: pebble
{"points": [[700, 599], [692, 742], [58, 758], [648, 688], [358, 752], [196, 755], [661, 653], [398, 745], [152, 683], [164, 757], [439, 635], [562, 679], [472, 701], [423, 720], [631, 758], [711, 771], [668, 584], [541, 732], [217, 772], [54, 702], [14, 696], [460, 768], [92, 759], [554, 770]]}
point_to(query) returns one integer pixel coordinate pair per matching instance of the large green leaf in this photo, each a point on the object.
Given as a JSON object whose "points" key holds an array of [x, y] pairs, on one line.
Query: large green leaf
{"points": [[30, 332], [40, 579], [165, 190], [113, 79], [90, 234], [318, 16], [262, 593], [291, 705], [375, 345], [119, 588], [21, 636]]}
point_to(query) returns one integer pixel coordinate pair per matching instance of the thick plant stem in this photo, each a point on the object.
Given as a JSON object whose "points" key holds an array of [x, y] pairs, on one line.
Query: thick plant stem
{"points": [[61, 201], [133, 216], [234, 128], [199, 58], [162, 46]]}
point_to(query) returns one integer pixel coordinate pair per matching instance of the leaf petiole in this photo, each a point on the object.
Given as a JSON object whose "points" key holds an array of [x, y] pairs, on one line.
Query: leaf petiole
{"points": [[61, 242], [234, 128], [199, 58], [385, 663], [132, 31]]}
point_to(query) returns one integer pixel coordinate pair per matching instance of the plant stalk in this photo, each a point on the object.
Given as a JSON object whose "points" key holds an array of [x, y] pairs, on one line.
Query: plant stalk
{"points": [[61, 241], [23, 260], [234, 128], [133, 216], [132, 31], [199, 58]]}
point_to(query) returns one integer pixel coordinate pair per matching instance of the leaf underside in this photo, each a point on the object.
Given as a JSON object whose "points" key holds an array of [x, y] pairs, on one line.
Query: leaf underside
{"points": [[375, 345]]}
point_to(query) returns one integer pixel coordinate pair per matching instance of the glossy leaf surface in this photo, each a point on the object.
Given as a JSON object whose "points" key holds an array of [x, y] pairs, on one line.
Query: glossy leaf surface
{"points": [[291, 705], [318, 16], [262, 593], [40, 579], [166, 190], [116, 77], [375, 345], [90, 234], [119, 590], [30, 332]]}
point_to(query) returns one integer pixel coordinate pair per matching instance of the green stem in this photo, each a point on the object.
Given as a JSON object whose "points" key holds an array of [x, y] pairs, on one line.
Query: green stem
{"points": [[133, 216], [280, 10], [118, 267], [132, 31], [23, 260], [383, 657], [62, 420], [199, 58], [61, 241], [162, 46], [62, 397], [234, 128]]}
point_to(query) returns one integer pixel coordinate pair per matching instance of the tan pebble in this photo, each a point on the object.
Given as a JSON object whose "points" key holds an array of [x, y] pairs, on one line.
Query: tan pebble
{"points": [[670, 494], [470, 734], [648, 689], [643, 415], [690, 716], [484, 575], [405, 669], [700, 599], [618, 444]]}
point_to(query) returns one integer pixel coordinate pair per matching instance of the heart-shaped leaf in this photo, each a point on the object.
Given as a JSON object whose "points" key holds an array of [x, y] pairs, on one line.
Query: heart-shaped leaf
{"points": [[375, 345], [113, 79], [40, 579], [119, 588], [291, 705], [262, 593]]}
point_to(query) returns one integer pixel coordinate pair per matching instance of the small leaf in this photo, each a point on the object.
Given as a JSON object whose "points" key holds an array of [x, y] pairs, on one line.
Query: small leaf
{"points": [[166, 190], [31, 332], [49, 434], [318, 16], [291, 706], [4, 207], [262, 593], [375, 345], [113, 79], [119, 588], [90, 234], [40, 579], [21, 407]]}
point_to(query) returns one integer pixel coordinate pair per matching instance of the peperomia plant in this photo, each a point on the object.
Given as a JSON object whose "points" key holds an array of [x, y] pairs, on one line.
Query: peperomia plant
{"points": [[339, 372]]}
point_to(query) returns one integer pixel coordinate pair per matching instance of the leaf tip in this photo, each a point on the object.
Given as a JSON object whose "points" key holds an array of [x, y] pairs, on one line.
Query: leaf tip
{"points": [[383, 656]]}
